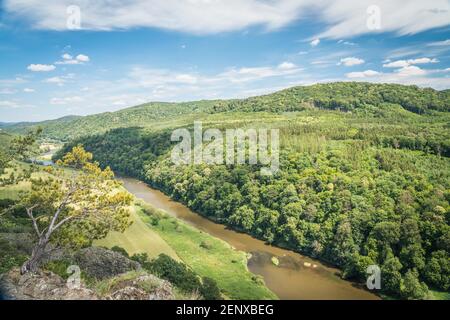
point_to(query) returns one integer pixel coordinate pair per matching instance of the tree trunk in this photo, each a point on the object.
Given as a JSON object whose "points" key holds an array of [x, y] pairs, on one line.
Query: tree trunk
{"points": [[38, 253]]}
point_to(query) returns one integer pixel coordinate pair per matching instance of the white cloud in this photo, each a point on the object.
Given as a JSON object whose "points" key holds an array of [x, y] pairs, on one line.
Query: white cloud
{"points": [[411, 71], [7, 91], [186, 78], [396, 64], [195, 16], [246, 74], [423, 61], [13, 104], [406, 63], [362, 74], [315, 42], [28, 90], [351, 61], [413, 75], [440, 43], [348, 18], [13, 81], [82, 58], [347, 43], [65, 100], [286, 65], [72, 61], [68, 59], [67, 56], [41, 67], [8, 104], [343, 18], [56, 80]]}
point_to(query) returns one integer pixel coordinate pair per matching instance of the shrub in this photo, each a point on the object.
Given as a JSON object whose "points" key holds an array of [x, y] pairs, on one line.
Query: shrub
{"points": [[210, 290], [141, 258], [58, 267], [206, 245], [9, 257], [175, 272]]}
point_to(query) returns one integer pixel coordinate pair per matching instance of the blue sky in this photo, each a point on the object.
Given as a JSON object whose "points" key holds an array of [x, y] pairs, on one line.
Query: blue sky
{"points": [[124, 53]]}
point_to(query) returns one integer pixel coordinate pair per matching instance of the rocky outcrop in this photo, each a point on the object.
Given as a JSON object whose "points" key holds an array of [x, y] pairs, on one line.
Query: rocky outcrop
{"points": [[40, 286], [101, 263], [143, 287], [46, 285]]}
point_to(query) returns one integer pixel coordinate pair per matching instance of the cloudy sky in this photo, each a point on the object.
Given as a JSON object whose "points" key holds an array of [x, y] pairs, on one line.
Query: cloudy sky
{"points": [[83, 57]]}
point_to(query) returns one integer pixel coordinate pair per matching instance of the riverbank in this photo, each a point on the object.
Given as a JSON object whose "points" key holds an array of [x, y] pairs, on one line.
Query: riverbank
{"points": [[206, 255], [295, 277], [209, 257]]}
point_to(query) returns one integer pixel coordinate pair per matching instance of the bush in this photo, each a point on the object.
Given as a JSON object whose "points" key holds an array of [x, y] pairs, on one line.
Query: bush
{"points": [[175, 272], [206, 245], [58, 267], [9, 257], [210, 290], [141, 258]]}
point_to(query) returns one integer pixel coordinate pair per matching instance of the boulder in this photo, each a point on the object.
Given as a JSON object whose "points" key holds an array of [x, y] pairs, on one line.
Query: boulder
{"points": [[102, 264]]}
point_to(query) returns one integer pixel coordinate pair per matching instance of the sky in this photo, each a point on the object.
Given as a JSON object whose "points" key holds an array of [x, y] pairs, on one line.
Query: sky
{"points": [[79, 57]]}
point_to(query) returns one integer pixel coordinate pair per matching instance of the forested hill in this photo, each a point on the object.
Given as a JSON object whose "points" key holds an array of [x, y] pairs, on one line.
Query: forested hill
{"points": [[365, 183], [343, 96]]}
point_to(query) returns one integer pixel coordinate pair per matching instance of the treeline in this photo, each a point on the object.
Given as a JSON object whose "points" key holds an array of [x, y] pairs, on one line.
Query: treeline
{"points": [[344, 96]]}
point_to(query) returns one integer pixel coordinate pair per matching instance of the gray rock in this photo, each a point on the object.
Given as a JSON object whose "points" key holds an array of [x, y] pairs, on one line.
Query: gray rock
{"points": [[45, 285], [143, 287], [101, 263], [40, 286]]}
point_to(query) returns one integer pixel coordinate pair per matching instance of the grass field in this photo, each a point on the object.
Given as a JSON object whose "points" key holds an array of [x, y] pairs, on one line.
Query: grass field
{"points": [[211, 257], [440, 295], [138, 238]]}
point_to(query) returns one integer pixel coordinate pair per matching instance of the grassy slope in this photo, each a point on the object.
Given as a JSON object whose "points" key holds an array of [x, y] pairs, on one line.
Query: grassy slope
{"points": [[440, 295], [220, 261], [138, 238]]}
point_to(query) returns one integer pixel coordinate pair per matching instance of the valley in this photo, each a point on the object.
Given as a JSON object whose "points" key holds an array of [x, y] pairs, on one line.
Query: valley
{"points": [[363, 180]]}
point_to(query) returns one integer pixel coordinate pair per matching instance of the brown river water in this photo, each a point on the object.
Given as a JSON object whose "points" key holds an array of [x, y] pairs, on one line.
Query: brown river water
{"points": [[296, 276]]}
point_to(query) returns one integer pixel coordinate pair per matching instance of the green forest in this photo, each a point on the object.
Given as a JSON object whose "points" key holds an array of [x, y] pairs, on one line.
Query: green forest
{"points": [[363, 180]]}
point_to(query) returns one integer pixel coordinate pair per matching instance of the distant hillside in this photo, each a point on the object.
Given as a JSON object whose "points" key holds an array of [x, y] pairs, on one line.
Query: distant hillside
{"points": [[343, 96], [5, 138], [143, 115]]}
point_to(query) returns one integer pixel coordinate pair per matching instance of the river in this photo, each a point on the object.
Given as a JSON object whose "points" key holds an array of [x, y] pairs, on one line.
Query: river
{"points": [[296, 276]]}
